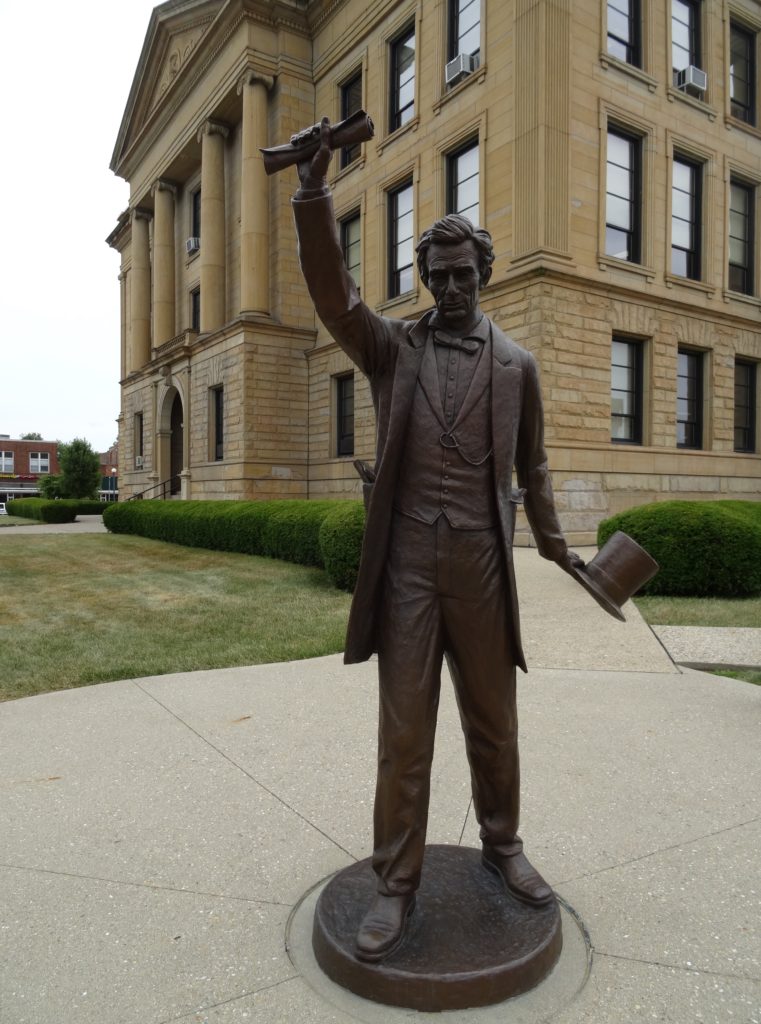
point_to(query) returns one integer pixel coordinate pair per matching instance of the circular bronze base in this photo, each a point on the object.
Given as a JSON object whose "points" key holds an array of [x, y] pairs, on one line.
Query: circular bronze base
{"points": [[468, 942]]}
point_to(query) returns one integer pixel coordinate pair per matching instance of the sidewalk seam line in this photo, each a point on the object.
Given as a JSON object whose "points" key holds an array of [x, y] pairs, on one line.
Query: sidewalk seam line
{"points": [[678, 967], [654, 853], [232, 999], [248, 774], [143, 885]]}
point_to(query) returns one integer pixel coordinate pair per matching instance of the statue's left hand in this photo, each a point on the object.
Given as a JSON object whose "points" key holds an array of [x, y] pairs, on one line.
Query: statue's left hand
{"points": [[313, 171], [571, 561]]}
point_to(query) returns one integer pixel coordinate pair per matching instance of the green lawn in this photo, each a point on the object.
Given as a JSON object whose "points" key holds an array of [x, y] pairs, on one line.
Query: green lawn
{"points": [[16, 521], [700, 611], [95, 607]]}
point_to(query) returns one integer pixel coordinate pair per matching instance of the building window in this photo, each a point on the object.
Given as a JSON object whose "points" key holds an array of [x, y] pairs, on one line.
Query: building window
{"points": [[685, 218], [402, 106], [689, 400], [351, 245], [39, 462], [623, 206], [401, 250], [626, 391], [462, 182], [217, 416], [345, 414], [6, 462], [195, 310], [685, 35], [745, 406], [195, 213], [351, 102], [137, 439], [624, 31], [742, 73], [741, 237], [464, 28]]}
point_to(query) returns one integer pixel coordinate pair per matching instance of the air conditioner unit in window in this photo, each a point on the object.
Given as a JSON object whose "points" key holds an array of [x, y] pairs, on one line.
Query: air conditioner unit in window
{"points": [[138, 462], [463, 65], [192, 245], [692, 80]]}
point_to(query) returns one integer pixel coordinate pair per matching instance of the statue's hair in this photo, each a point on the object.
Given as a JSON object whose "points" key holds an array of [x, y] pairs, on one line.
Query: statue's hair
{"points": [[450, 230]]}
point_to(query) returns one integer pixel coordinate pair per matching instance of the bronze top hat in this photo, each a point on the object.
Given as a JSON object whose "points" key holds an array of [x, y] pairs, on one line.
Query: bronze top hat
{"points": [[617, 571]]}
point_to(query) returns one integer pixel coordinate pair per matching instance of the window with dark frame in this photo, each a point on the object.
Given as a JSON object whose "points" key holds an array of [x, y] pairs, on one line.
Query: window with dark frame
{"points": [[464, 28], [351, 239], [741, 237], [623, 206], [138, 438], [689, 399], [626, 391], [686, 186], [401, 251], [402, 100], [742, 73], [6, 462], [685, 35], [345, 414], [745, 406], [351, 102], [462, 181], [218, 422], [624, 31], [195, 213], [195, 309]]}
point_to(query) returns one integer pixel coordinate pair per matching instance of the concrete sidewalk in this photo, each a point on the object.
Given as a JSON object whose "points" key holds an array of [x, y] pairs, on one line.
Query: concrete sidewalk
{"points": [[158, 836]]}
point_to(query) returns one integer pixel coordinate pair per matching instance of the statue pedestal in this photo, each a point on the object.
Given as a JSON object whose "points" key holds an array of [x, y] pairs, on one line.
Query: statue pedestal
{"points": [[468, 942]]}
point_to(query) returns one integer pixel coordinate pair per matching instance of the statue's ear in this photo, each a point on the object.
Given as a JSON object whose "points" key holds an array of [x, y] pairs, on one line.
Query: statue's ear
{"points": [[485, 277]]}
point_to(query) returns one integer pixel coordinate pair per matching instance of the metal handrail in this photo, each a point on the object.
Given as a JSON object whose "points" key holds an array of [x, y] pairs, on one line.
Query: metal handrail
{"points": [[164, 489]]}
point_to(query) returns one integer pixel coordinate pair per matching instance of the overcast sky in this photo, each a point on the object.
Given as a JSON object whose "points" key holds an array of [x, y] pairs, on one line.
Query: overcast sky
{"points": [[65, 75]]}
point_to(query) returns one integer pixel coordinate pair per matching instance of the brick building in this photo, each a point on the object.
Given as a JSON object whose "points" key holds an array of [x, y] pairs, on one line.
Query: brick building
{"points": [[613, 150], [22, 463]]}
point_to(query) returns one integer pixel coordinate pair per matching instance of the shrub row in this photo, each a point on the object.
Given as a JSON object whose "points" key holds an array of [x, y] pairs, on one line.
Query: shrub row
{"points": [[320, 533], [60, 510], [704, 548]]}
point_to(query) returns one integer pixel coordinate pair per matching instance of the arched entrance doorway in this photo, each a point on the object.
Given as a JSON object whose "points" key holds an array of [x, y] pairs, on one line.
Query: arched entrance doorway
{"points": [[176, 444]]}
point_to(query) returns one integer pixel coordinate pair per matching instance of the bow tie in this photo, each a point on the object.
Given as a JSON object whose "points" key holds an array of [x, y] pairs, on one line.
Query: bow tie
{"points": [[469, 345]]}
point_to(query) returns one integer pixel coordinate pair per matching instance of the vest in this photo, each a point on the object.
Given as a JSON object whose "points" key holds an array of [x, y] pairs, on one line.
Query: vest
{"points": [[448, 470]]}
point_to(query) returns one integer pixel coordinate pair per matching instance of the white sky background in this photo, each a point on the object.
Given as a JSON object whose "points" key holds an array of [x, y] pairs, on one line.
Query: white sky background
{"points": [[66, 68]]}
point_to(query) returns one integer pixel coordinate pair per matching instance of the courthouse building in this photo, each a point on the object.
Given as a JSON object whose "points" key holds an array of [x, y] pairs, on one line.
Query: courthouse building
{"points": [[613, 150]]}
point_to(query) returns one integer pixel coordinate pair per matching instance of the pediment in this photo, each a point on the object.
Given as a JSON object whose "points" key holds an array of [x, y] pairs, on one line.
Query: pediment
{"points": [[175, 31]]}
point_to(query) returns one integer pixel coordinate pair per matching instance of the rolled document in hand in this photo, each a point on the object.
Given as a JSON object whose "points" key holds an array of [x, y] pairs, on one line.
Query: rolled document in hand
{"points": [[357, 128]]}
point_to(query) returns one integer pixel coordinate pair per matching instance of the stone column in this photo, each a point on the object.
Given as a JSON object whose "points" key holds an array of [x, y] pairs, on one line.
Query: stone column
{"points": [[163, 262], [212, 138], [140, 292], [254, 199], [123, 324]]}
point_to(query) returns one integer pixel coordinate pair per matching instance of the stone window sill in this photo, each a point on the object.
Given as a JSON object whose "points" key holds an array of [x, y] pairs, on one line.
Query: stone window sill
{"points": [[608, 61]]}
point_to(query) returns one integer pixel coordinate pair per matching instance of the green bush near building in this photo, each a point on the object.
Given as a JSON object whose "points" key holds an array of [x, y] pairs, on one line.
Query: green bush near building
{"points": [[288, 530], [60, 510], [704, 548], [341, 536]]}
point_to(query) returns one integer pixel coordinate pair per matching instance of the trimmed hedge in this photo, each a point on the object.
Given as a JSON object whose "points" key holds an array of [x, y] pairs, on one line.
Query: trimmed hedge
{"points": [[43, 509], [288, 529], [341, 536], [704, 548]]}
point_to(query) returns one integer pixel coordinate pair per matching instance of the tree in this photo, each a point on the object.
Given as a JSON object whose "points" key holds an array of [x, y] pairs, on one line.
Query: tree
{"points": [[31, 437], [80, 470]]}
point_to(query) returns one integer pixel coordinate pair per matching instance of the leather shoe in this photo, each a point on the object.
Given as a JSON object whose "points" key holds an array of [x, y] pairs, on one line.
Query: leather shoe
{"points": [[383, 927], [521, 879]]}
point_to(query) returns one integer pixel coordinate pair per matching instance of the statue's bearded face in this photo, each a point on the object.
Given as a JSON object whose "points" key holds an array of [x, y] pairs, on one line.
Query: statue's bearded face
{"points": [[453, 280]]}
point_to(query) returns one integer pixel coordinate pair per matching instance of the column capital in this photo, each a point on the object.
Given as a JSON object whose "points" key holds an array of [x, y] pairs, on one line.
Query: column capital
{"points": [[211, 127], [252, 77], [141, 213], [163, 185]]}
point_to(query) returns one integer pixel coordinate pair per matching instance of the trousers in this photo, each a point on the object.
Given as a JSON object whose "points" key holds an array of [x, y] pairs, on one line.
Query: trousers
{"points": [[444, 595]]}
